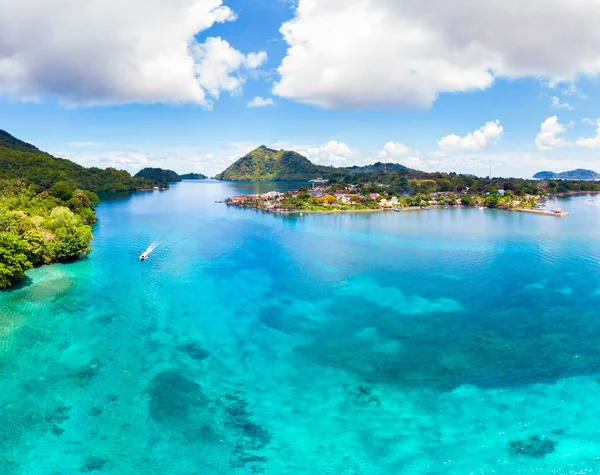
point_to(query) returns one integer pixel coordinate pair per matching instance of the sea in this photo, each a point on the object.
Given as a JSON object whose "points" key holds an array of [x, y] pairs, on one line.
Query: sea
{"points": [[442, 341]]}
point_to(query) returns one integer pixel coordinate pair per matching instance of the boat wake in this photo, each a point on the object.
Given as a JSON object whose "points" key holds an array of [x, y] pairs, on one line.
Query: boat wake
{"points": [[149, 251]]}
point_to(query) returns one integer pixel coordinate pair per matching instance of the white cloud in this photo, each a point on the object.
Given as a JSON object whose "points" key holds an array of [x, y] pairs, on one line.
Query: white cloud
{"points": [[399, 153], [216, 61], [547, 137], [260, 102], [395, 149], [109, 52], [390, 54], [557, 104], [593, 142], [485, 137], [333, 153]]}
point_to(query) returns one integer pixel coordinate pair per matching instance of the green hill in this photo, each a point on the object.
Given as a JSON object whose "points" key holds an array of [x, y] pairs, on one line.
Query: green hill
{"points": [[20, 160], [193, 176], [159, 175], [265, 164], [578, 174]]}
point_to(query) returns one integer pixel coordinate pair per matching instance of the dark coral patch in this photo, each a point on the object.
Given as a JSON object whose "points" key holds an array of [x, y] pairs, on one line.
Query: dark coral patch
{"points": [[535, 446], [92, 464], [194, 351], [86, 373], [173, 397]]}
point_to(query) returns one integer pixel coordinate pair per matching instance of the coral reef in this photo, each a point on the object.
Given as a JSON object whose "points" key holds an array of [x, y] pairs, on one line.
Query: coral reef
{"points": [[534, 446]]}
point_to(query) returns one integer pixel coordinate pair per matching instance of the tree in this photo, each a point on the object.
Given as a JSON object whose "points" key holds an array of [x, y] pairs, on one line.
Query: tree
{"points": [[13, 259], [328, 199], [62, 191], [71, 242], [492, 201], [36, 247], [466, 200]]}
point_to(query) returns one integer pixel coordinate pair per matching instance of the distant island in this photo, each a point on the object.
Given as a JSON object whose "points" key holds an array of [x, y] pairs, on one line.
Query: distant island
{"points": [[161, 175], [578, 174], [193, 176], [158, 175], [265, 164]]}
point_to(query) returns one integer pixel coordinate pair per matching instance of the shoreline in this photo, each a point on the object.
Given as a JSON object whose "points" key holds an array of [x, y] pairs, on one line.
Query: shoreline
{"points": [[574, 193], [540, 212]]}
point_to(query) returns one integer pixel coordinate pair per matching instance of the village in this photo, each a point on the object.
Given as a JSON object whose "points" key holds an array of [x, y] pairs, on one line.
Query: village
{"points": [[320, 196]]}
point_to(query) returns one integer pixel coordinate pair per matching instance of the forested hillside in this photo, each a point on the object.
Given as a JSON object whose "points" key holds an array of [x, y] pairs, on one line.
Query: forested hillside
{"points": [[20, 160]]}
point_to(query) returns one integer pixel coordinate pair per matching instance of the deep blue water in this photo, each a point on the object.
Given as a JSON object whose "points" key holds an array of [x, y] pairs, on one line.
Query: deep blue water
{"points": [[430, 342]]}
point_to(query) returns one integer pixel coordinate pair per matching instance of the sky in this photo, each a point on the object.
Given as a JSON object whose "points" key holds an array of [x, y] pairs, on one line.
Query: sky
{"points": [[192, 85]]}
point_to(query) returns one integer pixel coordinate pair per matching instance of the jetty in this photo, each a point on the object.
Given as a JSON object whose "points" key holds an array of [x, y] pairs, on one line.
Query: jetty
{"points": [[555, 212]]}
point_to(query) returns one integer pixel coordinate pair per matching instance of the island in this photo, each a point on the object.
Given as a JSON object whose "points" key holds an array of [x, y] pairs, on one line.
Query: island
{"points": [[578, 174], [47, 206], [323, 196], [193, 176], [158, 175], [163, 176]]}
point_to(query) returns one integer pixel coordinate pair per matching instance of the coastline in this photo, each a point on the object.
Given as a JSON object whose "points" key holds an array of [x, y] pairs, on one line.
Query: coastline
{"points": [[540, 212]]}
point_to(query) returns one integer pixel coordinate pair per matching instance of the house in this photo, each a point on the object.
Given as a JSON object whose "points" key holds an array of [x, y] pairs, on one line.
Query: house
{"points": [[501, 192], [373, 196], [343, 197], [239, 199]]}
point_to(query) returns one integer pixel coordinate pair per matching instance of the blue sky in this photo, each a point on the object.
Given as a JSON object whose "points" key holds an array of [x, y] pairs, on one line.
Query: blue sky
{"points": [[343, 82]]}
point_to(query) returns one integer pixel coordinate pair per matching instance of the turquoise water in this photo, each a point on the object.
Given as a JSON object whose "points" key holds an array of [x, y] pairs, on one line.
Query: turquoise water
{"points": [[429, 342]]}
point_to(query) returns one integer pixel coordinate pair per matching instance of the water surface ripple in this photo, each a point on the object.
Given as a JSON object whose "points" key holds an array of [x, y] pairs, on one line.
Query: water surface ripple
{"points": [[443, 341]]}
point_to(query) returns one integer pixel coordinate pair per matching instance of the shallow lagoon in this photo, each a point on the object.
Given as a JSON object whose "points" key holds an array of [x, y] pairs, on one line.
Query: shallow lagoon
{"points": [[443, 341]]}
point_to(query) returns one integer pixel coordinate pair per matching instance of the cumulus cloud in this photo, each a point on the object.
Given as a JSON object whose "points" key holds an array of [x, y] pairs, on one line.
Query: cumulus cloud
{"points": [[112, 52], [216, 61], [548, 138], [485, 137], [400, 153], [593, 142], [333, 153], [261, 102], [395, 149], [390, 54]]}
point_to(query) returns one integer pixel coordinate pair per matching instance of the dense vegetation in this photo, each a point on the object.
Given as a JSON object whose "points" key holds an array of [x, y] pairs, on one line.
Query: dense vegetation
{"points": [[265, 164], [158, 175], [163, 176], [193, 176], [39, 226], [579, 174], [20, 160], [424, 183]]}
